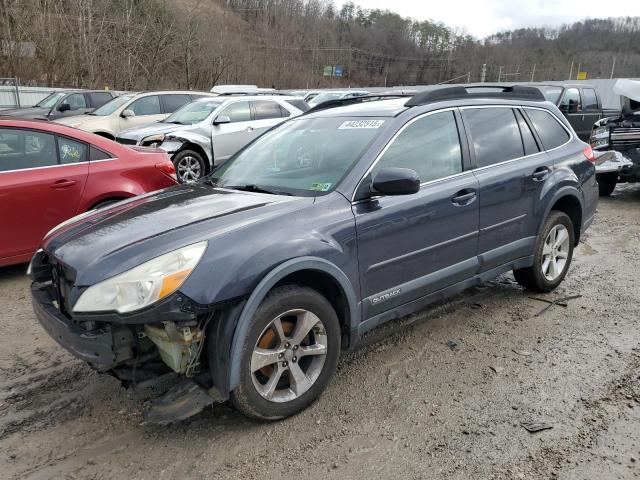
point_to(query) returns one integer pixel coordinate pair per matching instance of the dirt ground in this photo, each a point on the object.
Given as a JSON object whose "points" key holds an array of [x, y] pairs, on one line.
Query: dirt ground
{"points": [[403, 406]]}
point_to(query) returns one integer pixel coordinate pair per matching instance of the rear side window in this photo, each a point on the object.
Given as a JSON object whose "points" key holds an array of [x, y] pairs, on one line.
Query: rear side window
{"points": [[495, 135], [237, 112], [589, 99], [429, 145], [551, 133], [299, 104], [22, 149], [97, 154], [174, 102], [71, 151], [146, 106], [265, 109], [99, 98]]}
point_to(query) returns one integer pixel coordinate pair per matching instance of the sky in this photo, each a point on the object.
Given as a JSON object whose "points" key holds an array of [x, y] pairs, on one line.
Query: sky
{"points": [[481, 18]]}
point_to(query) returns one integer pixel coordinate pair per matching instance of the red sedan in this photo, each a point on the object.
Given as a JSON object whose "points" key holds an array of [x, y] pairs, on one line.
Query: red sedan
{"points": [[49, 173]]}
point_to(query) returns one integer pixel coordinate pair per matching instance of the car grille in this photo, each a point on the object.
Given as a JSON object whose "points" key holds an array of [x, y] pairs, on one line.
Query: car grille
{"points": [[126, 141], [625, 138]]}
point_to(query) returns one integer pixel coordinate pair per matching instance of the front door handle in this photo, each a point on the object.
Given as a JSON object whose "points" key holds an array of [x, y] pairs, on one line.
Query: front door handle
{"points": [[541, 173], [249, 129], [464, 197], [60, 184]]}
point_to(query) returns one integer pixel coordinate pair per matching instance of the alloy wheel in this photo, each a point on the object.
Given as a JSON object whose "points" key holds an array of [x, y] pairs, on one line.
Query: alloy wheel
{"points": [[189, 169], [555, 252], [289, 355]]}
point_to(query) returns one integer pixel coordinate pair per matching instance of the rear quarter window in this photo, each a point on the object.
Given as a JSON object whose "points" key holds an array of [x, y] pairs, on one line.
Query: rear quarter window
{"points": [[299, 104], [552, 134]]}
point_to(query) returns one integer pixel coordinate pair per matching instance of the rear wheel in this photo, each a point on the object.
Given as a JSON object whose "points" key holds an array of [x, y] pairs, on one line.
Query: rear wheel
{"points": [[607, 183], [289, 355], [552, 256], [190, 166]]}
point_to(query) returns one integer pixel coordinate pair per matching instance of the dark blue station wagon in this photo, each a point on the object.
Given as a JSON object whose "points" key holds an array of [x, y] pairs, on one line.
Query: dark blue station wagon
{"points": [[250, 282]]}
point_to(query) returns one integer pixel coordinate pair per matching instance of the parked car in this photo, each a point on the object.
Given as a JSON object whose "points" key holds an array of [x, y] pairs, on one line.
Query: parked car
{"points": [[276, 262], [207, 132], [618, 137], [131, 110], [50, 173], [62, 104], [333, 95]]}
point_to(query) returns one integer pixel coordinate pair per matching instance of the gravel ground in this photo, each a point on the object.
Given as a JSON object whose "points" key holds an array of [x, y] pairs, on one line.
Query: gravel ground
{"points": [[405, 405]]}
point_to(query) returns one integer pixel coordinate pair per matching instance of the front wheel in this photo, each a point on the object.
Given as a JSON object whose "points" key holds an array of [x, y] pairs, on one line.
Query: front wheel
{"points": [[289, 355], [607, 183], [552, 255], [190, 166]]}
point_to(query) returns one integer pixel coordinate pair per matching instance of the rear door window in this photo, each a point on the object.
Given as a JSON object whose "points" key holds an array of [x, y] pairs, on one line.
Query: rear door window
{"points": [[237, 112], [589, 100], [265, 109], [528, 141], [146, 106], [174, 102], [97, 99], [70, 151], [429, 145], [22, 149], [552, 134], [495, 135]]}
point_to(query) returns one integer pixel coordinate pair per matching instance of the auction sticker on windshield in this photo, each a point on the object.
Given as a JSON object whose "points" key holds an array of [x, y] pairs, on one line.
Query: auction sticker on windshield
{"points": [[361, 124]]}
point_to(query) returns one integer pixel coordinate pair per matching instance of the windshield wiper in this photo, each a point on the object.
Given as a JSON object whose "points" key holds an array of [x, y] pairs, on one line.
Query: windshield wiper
{"points": [[256, 189]]}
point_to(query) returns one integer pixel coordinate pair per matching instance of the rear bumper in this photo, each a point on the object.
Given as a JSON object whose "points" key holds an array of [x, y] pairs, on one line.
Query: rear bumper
{"points": [[94, 346]]}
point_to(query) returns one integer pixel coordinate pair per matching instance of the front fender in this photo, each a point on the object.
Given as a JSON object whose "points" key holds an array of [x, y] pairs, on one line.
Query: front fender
{"points": [[266, 284], [175, 141]]}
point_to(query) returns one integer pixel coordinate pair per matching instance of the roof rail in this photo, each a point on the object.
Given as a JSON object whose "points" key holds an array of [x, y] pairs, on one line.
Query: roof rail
{"points": [[340, 102], [239, 94], [514, 92]]}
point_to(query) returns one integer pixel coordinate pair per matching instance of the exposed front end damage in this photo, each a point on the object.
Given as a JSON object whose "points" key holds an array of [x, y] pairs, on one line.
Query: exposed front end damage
{"points": [[620, 135], [171, 340]]}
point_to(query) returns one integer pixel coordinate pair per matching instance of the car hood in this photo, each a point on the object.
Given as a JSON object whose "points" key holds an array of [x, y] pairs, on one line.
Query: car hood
{"points": [[75, 120], [115, 239], [31, 112], [143, 131]]}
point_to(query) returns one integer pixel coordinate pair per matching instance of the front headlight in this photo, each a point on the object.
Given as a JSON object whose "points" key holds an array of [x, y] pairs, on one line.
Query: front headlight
{"points": [[152, 140], [143, 285]]}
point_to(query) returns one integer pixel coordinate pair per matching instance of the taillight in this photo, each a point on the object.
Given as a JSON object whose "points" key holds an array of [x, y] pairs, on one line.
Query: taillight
{"points": [[168, 169], [588, 152]]}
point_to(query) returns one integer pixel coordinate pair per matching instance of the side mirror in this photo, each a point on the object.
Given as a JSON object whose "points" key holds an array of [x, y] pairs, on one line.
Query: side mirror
{"points": [[64, 107], [396, 181], [127, 113], [221, 119]]}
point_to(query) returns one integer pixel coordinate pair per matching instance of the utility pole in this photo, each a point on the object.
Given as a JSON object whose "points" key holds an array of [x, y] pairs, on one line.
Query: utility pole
{"points": [[468, 77], [571, 71], [533, 71], [483, 73], [613, 66], [500, 74]]}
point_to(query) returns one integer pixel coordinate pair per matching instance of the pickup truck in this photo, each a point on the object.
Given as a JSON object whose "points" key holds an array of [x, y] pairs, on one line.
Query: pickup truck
{"points": [[619, 135]]}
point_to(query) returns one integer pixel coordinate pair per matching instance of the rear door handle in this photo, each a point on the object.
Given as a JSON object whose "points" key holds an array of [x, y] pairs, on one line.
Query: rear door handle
{"points": [[464, 197], [541, 173], [59, 184]]}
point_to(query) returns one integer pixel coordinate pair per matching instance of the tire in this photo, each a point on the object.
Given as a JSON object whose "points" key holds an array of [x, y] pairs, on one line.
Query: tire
{"points": [[607, 183], [106, 203], [190, 166], [534, 278], [253, 396]]}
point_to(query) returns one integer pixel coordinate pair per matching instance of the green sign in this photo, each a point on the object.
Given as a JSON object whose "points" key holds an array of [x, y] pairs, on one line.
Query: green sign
{"points": [[328, 71]]}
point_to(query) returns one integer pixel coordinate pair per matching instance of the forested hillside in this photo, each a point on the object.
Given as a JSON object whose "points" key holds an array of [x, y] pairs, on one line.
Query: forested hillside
{"points": [[143, 44]]}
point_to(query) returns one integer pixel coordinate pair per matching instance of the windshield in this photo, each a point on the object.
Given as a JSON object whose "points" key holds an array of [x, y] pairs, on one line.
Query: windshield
{"points": [[193, 113], [112, 105], [306, 157], [51, 100], [551, 93], [325, 97]]}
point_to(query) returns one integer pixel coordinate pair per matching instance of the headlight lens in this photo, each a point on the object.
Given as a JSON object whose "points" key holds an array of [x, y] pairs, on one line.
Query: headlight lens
{"points": [[152, 140], [143, 285]]}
